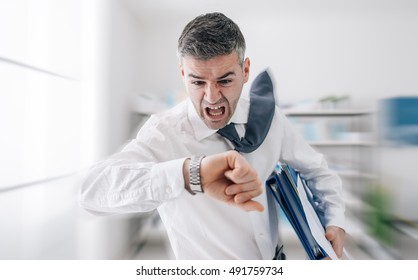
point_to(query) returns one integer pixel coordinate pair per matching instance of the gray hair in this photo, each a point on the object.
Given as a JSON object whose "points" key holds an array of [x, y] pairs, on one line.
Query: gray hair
{"points": [[211, 35]]}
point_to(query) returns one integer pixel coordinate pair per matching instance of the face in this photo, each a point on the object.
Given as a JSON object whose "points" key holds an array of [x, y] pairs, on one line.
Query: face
{"points": [[214, 86]]}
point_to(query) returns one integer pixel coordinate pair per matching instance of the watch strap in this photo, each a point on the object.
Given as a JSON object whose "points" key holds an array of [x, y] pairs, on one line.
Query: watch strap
{"points": [[194, 175]]}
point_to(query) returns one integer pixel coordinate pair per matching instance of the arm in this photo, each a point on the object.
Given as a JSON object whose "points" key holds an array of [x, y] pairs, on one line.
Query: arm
{"points": [[132, 181], [324, 184]]}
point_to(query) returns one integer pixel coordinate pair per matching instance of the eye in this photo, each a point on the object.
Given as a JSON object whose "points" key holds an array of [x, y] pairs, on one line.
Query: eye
{"points": [[198, 83], [225, 82]]}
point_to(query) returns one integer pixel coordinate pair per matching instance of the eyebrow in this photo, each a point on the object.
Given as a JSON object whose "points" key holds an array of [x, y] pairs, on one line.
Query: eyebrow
{"points": [[226, 75], [219, 78]]}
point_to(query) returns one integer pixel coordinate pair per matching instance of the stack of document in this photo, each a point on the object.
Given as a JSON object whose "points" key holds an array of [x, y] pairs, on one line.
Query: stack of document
{"points": [[294, 198]]}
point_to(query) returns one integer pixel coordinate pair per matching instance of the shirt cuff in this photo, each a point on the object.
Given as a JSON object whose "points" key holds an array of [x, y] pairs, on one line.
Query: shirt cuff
{"points": [[167, 179], [337, 218]]}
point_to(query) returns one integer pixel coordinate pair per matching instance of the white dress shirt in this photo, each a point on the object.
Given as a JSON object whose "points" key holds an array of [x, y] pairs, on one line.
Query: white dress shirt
{"points": [[147, 175]]}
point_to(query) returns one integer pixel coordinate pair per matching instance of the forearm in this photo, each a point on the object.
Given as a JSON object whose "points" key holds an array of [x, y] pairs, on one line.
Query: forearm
{"points": [[325, 185], [125, 186]]}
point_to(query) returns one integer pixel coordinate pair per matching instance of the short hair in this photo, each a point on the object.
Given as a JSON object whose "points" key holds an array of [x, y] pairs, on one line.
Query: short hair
{"points": [[211, 35]]}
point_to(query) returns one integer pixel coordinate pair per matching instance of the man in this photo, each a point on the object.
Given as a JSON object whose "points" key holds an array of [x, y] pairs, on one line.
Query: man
{"points": [[211, 199]]}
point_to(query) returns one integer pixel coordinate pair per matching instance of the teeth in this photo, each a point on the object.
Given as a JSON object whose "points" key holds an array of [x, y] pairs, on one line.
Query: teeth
{"points": [[215, 110]]}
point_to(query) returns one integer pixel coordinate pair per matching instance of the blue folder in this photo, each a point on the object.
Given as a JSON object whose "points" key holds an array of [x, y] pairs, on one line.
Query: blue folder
{"points": [[283, 185]]}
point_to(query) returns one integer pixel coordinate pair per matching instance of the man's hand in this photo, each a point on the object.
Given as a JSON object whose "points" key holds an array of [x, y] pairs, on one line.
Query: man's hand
{"points": [[336, 236], [230, 178]]}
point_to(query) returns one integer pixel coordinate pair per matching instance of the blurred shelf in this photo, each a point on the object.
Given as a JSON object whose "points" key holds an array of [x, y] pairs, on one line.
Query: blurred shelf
{"points": [[327, 113], [355, 174], [342, 143], [347, 136]]}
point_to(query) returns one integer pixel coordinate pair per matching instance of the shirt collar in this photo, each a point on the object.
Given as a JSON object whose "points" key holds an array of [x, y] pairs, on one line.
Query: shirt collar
{"points": [[200, 129]]}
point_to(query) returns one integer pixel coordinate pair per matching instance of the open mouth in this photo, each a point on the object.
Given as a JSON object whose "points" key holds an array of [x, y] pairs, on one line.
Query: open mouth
{"points": [[215, 111]]}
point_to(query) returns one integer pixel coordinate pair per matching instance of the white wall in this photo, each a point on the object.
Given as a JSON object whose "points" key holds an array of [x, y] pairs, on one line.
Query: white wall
{"points": [[314, 48], [111, 44], [40, 120], [40, 90], [366, 55], [125, 47], [65, 80]]}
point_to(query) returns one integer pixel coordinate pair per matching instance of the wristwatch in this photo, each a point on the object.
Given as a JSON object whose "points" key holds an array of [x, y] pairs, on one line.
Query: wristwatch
{"points": [[194, 175]]}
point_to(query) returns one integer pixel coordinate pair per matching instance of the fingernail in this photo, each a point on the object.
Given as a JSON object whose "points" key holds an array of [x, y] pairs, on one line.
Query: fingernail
{"points": [[239, 199]]}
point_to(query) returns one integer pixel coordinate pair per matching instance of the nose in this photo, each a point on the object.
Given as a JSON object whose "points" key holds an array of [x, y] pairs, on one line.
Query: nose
{"points": [[212, 93]]}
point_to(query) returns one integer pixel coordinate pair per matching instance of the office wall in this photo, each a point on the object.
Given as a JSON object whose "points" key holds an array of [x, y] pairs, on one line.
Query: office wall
{"points": [[40, 120], [125, 47], [111, 44], [64, 85], [366, 54], [362, 48], [40, 90]]}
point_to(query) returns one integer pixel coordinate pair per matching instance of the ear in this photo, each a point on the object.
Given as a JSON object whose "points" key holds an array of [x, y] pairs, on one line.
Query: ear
{"points": [[181, 70], [246, 68]]}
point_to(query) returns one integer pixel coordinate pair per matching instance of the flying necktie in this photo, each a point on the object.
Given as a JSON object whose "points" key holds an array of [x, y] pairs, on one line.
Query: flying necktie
{"points": [[261, 114]]}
